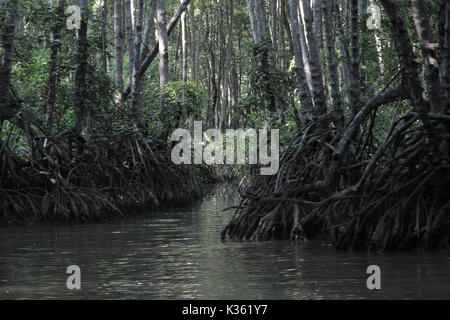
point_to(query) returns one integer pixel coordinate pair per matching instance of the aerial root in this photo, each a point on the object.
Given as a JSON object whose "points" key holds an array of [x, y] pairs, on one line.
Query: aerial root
{"points": [[391, 197], [108, 179]]}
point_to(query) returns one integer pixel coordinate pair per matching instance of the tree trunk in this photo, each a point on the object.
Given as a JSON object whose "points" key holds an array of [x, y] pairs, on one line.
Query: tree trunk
{"points": [[147, 60], [261, 18], [148, 40], [130, 34], [8, 108], [136, 83], [407, 61], [429, 54], [184, 54], [104, 33], [49, 111], [253, 21], [343, 46], [444, 43], [81, 94], [355, 71], [301, 81], [163, 44], [317, 26], [318, 90], [195, 44], [118, 53], [332, 64]]}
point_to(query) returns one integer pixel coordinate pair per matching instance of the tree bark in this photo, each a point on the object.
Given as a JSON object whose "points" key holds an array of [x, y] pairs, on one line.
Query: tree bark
{"points": [[301, 81], [343, 45], [184, 54], [163, 44], [148, 40], [444, 44], [318, 91], [258, 20], [136, 83], [104, 33], [261, 19], [81, 94], [429, 54], [407, 61], [146, 61], [355, 71], [333, 64], [317, 14], [8, 108], [118, 53], [130, 34], [253, 21], [49, 111]]}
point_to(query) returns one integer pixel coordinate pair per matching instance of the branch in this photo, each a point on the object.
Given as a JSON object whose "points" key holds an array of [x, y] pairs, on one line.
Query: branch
{"points": [[149, 59], [380, 99]]}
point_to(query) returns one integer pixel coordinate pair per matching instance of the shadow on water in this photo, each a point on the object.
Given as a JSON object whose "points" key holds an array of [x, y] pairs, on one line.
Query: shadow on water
{"points": [[178, 254]]}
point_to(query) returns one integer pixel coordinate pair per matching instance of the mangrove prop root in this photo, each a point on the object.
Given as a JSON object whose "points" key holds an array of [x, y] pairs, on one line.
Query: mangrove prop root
{"points": [[109, 178], [391, 197]]}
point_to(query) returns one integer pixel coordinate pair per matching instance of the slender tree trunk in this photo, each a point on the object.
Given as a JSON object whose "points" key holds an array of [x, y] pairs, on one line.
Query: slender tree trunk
{"points": [[49, 111], [184, 53], [287, 29], [148, 40], [136, 83], [281, 33], [333, 64], [119, 46], [305, 48], [81, 94], [343, 45], [130, 34], [7, 106], [253, 20], [195, 44], [421, 21], [147, 60], [355, 71], [318, 90], [407, 60], [234, 84], [163, 44], [317, 26], [301, 81], [104, 33], [261, 17], [444, 43], [378, 44], [273, 25]]}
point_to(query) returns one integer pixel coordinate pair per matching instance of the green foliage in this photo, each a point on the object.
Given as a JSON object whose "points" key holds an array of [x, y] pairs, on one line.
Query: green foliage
{"points": [[180, 99]]}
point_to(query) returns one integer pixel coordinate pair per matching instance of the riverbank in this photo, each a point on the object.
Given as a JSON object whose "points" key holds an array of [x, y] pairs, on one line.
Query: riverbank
{"points": [[107, 179]]}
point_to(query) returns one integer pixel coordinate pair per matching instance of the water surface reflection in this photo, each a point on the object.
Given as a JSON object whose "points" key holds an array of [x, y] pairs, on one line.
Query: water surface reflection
{"points": [[178, 255]]}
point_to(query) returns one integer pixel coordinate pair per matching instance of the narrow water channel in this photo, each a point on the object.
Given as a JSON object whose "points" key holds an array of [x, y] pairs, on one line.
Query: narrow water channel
{"points": [[178, 254]]}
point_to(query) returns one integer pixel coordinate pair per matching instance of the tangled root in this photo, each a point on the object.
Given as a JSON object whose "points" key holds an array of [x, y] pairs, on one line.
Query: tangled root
{"points": [[108, 179], [386, 198]]}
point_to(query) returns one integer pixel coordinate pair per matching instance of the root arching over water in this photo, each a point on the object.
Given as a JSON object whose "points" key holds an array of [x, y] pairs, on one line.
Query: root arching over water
{"points": [[393, 196], [108, 178]]}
